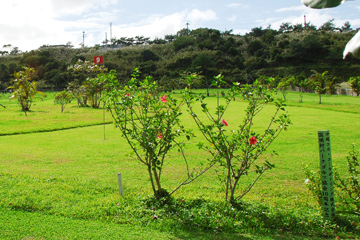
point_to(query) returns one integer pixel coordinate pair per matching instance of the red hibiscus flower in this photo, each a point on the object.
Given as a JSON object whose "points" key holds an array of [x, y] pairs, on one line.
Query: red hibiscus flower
{"points": [[225, 123], [163, 98], [252, 140]]}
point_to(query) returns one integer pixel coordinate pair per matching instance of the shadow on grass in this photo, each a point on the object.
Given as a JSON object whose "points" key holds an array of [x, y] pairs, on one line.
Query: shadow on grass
{"points": [[35, 225], [200, 219]]}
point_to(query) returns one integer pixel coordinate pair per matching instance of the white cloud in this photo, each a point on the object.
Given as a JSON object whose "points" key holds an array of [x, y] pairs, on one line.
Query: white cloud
{"points": [[237, 5], [232, 18], [30, 24], [288, 9], [314, 17], [153, 26], [78, 7], [159, 26], [198, 16]]}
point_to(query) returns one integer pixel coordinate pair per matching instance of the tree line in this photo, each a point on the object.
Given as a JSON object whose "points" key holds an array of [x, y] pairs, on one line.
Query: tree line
{"points": [[292, 50]]}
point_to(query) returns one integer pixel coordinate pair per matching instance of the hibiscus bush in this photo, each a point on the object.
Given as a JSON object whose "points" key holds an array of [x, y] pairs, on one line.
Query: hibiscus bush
{"points": [[150, 122], [237, 147]]}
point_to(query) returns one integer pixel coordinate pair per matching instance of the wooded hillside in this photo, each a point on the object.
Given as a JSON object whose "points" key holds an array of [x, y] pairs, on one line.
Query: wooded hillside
{"points": [[293, 50]]}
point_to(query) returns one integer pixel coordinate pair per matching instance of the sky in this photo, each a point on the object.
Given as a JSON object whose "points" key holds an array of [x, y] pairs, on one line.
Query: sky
{"points": [[30, 24]]}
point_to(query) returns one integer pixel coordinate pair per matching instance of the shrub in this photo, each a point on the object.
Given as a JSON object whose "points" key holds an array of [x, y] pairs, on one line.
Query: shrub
{"points": [[237, 150], [355, 84], [24, 89], [63, 98], [347, 188], [150, 123]]}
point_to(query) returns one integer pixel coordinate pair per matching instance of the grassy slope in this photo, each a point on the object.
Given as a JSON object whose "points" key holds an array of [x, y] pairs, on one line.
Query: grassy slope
{"points": [[72, 173]]}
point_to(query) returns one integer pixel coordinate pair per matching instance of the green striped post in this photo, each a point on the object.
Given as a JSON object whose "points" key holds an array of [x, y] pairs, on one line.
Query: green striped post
{"points": [[327, 178]]}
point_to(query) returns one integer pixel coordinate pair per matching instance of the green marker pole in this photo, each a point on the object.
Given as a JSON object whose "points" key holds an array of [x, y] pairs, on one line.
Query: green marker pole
{"points": [[327, 178]]}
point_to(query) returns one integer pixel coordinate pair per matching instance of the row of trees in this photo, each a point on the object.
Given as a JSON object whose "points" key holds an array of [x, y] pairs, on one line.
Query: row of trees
{"points": [[91, 82], [257, 31], [320, 83]]}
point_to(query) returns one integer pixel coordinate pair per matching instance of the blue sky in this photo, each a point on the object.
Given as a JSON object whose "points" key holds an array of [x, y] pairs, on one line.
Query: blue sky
{"points": [[31, 24]]}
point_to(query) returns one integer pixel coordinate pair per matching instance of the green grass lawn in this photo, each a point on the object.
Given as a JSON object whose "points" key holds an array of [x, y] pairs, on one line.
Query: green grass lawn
{"points": [[63, 184], [44, 115]]}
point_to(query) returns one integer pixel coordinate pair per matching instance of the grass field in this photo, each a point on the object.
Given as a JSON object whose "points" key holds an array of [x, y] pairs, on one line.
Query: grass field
{"points": [[59, 180]]}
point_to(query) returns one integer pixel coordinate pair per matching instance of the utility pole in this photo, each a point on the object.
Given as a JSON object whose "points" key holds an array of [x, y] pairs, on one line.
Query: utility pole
{"points": [[111, 41], [305, 21], [187, 27], [83, 39]]}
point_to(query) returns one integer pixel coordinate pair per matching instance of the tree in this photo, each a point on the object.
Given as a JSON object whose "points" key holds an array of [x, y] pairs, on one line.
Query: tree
{"points": [[310, 26], [255, 46], [148, 55], [301, 82], [183, 42], [354, 83], [285, 84], [4, 75], [328, 26], [332, 85], [24, 89], [81, 71], [12, 50], [204, 62], [96, 86], [150, 123], [158, 41], [236, 147], [257, 32], [346, 27], [170, 37], [63, 98], [183, 32], [286, 27], [141, 40], [318, 82], [268, 82], [298, 27]]}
